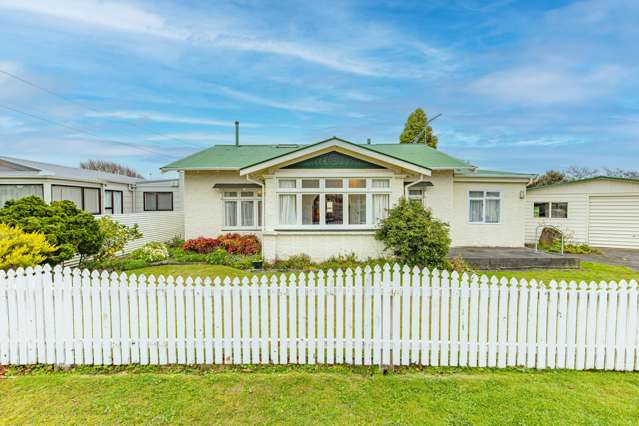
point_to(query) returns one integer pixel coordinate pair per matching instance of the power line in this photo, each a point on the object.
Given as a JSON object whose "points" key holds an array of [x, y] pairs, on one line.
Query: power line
{"points": [[83, 105], [77, 129]]}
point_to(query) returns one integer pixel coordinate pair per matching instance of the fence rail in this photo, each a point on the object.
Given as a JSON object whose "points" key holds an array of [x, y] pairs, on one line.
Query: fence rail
{"points": [[385, 316]]}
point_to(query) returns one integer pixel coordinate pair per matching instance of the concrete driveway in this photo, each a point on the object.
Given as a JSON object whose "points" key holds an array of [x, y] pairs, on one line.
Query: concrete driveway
{"points": [[613, 256]]}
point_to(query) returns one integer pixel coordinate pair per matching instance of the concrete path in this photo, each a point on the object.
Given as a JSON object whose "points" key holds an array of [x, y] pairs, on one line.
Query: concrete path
{"points": [[613, 256]]}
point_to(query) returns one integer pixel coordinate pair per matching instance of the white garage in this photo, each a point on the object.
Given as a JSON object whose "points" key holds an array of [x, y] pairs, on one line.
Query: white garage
{"points": [[600, 211], [614, 221]]}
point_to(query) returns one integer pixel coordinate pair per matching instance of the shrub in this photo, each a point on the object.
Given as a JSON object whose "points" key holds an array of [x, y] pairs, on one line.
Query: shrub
{"points": [[234, 243], [151, 252], [294, 263], [180, 255], [115, 237], [459, 264], [176, 242], [201, 245], [414, 236], [71, 230], [19, 248], [222, 257]]}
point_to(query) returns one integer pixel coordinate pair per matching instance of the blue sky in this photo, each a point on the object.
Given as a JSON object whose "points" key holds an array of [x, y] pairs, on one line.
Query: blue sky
{"points": [[524, 86]]}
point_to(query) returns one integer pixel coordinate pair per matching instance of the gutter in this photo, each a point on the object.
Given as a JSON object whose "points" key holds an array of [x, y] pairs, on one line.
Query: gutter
{"points": [[407, 187]]}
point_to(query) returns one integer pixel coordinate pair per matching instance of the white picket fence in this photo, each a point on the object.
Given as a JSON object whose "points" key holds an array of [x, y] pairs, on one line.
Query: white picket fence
{"points": [[389, 316]]}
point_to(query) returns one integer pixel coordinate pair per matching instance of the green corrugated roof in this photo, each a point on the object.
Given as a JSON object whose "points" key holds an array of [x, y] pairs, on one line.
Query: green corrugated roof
{"points": [[492, 173], [615, 178], [238, 157]]}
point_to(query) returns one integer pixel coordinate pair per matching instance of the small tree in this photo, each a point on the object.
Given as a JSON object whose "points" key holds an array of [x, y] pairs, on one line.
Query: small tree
{"points": [[115, 237], [110, 167], [548, 178], [414, 236], [417, 131], [72, 230]]}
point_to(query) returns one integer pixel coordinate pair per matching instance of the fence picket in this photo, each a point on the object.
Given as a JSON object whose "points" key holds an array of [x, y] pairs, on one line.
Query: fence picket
{"points": [[387, 316]]}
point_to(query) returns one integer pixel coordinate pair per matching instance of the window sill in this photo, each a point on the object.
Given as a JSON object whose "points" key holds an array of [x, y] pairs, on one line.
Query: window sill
{"points": [[239, 228]]}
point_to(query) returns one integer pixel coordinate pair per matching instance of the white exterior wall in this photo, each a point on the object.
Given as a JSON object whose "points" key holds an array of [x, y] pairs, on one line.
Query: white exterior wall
{"points": [[175, 187], [320, 245], [203, 207], [508, 233], [577, 195]]}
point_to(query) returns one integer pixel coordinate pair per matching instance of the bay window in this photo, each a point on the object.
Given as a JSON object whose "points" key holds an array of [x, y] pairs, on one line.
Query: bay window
{"points": [[484, 206], [332, 203], [242, 209]]}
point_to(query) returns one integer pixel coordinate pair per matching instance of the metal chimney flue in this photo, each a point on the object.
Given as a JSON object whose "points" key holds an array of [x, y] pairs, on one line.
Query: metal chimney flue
{"points": [[237, 133]]}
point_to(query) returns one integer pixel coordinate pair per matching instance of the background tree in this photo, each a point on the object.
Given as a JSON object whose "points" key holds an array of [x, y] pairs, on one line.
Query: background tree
{"points": [[110, 167], [576, 173], [548, 178], [417, 131]]}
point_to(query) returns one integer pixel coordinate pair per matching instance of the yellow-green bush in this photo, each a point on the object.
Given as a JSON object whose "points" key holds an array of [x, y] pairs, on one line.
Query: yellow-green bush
{"points": [[19, 248]]}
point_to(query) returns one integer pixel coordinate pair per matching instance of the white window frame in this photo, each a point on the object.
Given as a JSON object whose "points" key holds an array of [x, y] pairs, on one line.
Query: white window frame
{"points": [[256, 199], [484, 198], [550, 210], [322, 191]]}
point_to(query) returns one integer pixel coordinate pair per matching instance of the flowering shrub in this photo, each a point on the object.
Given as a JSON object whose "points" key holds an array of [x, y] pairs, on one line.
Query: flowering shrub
{"points": [[152, 252], [19, 248], [233, 243]]}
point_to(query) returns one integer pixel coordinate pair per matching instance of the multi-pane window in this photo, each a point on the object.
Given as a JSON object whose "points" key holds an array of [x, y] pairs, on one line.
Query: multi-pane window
{"points": [[158, 201], [242, 209], [113, 202], [332, 202], [484, 206], [555, 210], [15, 192], [87, 199]]}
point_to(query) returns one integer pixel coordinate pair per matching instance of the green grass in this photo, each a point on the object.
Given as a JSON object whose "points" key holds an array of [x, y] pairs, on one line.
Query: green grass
{"points": [[326, 395], [588, 272]]}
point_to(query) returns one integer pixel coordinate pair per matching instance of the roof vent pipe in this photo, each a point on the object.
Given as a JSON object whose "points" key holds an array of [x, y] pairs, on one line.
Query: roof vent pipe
{"points": [[237, 133]]}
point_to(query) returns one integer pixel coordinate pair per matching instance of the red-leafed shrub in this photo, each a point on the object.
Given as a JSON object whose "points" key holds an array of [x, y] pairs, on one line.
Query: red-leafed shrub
{"points": [[233, 243], [202, 245]]}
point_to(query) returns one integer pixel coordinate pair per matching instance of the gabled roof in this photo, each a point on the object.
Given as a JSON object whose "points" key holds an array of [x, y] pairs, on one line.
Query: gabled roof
{"points": [[19, 168], [231, 157], [612, 178]]}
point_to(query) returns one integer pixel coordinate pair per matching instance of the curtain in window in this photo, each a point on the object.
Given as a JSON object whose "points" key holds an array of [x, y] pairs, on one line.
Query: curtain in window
{"points": [[476, 213], [247, 213], [492, 211], [117, 202], [15, 192], [357, 209], [70, 193], [288, 209], [310, 209], [380, 206], [230, 213], [165, 201], [92, 200], [287, 183], [380, 183]]}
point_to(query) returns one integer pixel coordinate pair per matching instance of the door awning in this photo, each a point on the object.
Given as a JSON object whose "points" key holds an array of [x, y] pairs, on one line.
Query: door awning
{"points": [[247, 185], [423, 184]]}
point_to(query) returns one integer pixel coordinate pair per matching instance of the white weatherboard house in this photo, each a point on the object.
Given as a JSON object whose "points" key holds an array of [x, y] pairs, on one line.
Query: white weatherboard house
{"points": [[326, 198], [600, 211], [93, 191]]}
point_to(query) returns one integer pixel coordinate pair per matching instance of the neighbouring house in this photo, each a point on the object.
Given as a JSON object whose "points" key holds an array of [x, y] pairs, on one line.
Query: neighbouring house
{"points": [[93, 191], [326, 198], [601, 211]]}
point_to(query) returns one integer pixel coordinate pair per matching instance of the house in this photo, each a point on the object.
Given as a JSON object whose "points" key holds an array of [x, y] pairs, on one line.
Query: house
{"points": [[601, 211], [93, 191], [326, 198]]}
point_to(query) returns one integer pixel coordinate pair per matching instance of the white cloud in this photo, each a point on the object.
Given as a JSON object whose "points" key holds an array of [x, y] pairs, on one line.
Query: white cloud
{"points": [[303, 105], [541, 85], [106, 14], [163, 118]]}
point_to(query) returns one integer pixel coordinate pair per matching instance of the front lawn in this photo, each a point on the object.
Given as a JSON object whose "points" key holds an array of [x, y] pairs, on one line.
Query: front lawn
{"points": [[587, 272], [323, 395]]}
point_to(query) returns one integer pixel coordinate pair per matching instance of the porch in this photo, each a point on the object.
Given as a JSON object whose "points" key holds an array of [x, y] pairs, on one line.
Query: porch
{"points": [[491, 258]]}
